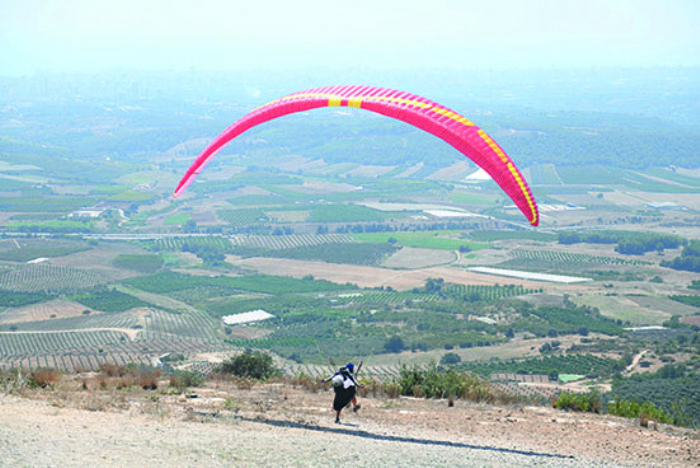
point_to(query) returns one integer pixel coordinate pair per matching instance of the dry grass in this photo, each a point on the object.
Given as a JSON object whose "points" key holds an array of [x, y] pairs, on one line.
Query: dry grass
{"points": [[307, 382], [644, 420], [371, 387], [242, 383], [392, 390], [103, 381], [45, 377], [148, 379], [124, 382], [112, 370]]}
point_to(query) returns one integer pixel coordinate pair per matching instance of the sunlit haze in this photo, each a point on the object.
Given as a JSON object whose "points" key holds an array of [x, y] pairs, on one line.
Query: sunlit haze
{"points": [[88, 35]]}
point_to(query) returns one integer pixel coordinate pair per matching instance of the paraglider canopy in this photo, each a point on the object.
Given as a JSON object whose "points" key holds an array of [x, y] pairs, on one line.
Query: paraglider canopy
{"points": [[427, 115]]}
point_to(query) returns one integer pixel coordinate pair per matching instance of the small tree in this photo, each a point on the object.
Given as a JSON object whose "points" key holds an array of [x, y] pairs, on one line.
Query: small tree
{"points": [[184, 379], [250, 364], [450, 358], [394, 345]]}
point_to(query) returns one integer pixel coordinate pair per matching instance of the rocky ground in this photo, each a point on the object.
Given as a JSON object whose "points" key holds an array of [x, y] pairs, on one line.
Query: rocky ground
{"points": [[277, 425]]}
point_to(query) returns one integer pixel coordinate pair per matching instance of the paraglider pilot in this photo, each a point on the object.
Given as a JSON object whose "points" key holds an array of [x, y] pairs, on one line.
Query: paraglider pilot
{"points": [[345, 388]]}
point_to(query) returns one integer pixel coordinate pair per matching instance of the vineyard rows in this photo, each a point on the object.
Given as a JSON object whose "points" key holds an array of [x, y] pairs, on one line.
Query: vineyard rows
{"points": [[39, 344], [290, 241], [553, 256], [292, 342], [382, 298], [250, 240], [532, 378], [71, 362], [46, 277], [488, 292], [28, 344], [580, 364], [176, 243], [116, 320], [166, 344], [243, 217], [382, 373], [92, 357], [529, 391], [485, 292], [164, 325]]}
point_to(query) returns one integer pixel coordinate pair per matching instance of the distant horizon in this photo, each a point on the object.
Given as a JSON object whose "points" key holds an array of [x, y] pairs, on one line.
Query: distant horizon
{"points": [[114, 71]]}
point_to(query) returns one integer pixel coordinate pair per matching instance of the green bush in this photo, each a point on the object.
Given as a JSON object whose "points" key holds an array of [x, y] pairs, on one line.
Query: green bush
{"points": [[185, 379], [108, 300], [647, 411], [13, 381], [585, 402], [450, 358], [250, 364], [436, 383], [668, 389], [394, 345]]}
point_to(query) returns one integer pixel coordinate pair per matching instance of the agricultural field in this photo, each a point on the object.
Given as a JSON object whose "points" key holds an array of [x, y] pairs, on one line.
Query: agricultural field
{"points": [[362, 242], [289, 241], [49, 277], [177, 219], [41, 311], [412, 258], [440, 240], [355, 253], [374, 266], [636, 310], [25, 250], [566, 260], [243, 217], [142, 263]]}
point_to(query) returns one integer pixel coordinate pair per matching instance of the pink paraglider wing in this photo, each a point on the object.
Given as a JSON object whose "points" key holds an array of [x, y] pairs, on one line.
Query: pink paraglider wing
{"points": [[427, 115]]}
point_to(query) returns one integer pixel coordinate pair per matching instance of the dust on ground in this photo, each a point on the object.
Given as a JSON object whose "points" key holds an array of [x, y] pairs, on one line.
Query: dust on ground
{"points": [[278, 425]]}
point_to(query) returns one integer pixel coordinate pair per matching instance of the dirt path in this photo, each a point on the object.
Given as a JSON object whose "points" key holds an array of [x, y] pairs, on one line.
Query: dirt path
{"points": [[274, 425], [635, 361]]}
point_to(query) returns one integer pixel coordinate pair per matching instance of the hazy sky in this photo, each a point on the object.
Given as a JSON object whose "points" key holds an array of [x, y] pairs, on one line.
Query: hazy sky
{"points": [[94, 35]]}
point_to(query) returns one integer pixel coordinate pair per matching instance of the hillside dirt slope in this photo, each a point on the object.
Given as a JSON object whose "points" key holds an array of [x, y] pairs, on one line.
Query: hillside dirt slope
{"points": [[276, 425]]}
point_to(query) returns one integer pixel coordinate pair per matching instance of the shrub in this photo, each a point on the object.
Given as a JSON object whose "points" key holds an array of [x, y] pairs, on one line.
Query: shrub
{"points": [[394, 345], [646, 412], [102, 380], [184, 379], [148, 378], [392, 389], [370, 387], [13, 381], [306, 382], [436, 383], [124, 382], [450, 358], [44, 377], [585, 402], [112, 370], [250, 364], [230, 404]]}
